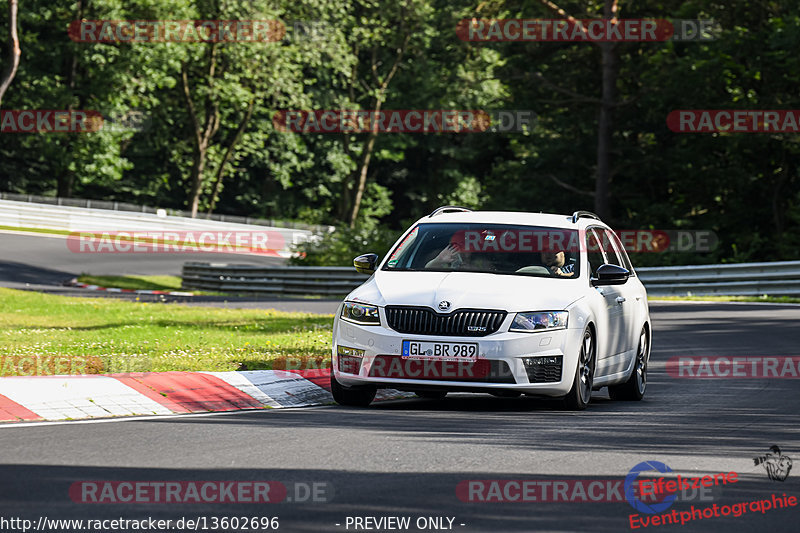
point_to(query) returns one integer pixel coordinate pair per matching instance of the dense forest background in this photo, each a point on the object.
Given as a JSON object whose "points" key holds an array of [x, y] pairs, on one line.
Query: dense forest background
{"points": [[190, 124]]}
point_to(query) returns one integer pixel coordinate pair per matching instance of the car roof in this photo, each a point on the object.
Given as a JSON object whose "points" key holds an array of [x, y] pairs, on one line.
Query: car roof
{"points": [[511, 217]]}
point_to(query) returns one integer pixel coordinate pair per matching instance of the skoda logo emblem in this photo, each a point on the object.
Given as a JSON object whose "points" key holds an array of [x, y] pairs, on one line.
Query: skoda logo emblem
{"points": [[444, 305]]}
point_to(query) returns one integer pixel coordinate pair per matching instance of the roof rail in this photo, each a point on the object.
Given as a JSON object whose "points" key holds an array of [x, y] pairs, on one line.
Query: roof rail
{"points": [[583, 214], [449, 209]]}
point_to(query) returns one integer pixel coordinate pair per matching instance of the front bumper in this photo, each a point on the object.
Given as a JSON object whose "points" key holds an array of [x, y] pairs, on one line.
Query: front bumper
{"points": [[499, 365]]}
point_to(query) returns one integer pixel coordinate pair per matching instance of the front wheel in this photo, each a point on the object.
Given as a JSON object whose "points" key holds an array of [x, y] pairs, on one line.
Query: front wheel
{"points": [[581, 393], [633, 389], [352, 396]]}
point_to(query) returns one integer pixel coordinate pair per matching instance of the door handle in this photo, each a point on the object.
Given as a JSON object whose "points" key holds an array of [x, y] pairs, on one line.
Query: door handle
{"points": [[620, 299]]}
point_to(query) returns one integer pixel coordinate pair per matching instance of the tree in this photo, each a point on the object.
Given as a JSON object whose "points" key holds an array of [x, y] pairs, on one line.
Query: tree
{"points": [[380, 35], [14, 51], [609, 65]]}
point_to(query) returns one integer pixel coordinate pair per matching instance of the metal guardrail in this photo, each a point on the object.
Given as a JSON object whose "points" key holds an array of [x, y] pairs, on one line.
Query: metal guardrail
{"points": [[779, 278], [744, 279], [330, 281]]}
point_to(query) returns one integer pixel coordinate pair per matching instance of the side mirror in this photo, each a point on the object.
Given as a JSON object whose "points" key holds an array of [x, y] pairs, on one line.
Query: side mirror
{"points": [[610, 275], [365, 264]]}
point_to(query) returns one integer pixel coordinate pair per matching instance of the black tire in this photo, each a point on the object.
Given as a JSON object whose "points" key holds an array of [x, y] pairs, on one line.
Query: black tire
{"points": [[580, 394], [431, 394], [352, 396], [633, 390]]}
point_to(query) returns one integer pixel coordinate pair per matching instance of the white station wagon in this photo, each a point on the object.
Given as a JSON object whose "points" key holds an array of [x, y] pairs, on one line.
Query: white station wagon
{"points": [[495, 302]]}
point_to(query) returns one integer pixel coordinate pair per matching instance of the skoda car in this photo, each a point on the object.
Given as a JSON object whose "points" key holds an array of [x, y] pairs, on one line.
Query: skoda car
{"points": [[495, 302]]}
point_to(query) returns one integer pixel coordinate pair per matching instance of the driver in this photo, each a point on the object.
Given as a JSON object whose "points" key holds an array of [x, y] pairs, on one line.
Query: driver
{"points": [[556, 264]]}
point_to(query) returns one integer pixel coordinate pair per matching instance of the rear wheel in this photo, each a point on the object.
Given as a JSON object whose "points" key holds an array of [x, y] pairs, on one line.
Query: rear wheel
{"points": [[633, 389], [352, 396], [581, 393]]}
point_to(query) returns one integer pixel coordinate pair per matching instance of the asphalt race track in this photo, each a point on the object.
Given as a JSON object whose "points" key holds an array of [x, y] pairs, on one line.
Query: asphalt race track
{"points": [[43, 263], [45, 259], [406, 458]]}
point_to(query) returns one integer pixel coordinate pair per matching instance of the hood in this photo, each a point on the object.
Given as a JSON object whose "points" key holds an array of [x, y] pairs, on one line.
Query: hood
{"points": [[469, 290]]}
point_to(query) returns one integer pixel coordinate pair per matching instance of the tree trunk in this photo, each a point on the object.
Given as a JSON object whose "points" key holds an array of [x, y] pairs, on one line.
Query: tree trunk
{"points": [[605, 130], [15, 52], [198, 166], [362, 174], [202, 134], [373, 134], [64, 184], [217, 189]]}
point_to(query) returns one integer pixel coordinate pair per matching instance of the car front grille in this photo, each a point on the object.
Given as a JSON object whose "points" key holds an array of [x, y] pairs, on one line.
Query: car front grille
{"points": [[461, 323]]}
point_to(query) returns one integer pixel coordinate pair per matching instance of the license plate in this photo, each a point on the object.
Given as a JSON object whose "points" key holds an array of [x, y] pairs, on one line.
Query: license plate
{"points": [[449, 351]]}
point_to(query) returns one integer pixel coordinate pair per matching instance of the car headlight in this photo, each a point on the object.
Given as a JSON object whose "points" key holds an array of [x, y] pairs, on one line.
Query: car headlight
{"points": [[361, 314], [539, 321]]}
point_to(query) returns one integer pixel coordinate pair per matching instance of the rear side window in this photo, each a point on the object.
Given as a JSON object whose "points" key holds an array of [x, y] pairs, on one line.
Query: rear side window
{"points": [[616, 252]]}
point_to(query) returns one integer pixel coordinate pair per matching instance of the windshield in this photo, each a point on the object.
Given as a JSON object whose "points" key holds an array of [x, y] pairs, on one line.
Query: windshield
{"points": [[495, 248]]}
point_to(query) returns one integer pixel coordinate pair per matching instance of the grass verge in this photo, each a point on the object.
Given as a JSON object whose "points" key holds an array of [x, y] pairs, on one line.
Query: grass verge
{"points": [[151, 283], [146, 283], [36, 230], [43, 334]]}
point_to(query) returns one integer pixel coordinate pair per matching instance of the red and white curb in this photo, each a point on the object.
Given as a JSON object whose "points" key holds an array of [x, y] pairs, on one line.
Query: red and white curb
{"points": [[76, 283], [163, 393]]}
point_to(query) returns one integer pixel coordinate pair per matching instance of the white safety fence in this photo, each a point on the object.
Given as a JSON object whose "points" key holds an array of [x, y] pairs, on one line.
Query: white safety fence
{"points": [[81, 219]]}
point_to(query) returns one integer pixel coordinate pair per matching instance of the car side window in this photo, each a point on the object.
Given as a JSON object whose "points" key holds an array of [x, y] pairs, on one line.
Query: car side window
{"points": [[616, 253], [594, 252], [611, 249]]}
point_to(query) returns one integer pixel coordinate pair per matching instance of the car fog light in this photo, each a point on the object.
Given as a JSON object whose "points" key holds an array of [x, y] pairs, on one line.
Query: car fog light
{"points": [[545, 369], [349, 359]]}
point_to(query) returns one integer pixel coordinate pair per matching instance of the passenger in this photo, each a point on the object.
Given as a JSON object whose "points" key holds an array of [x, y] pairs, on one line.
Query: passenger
{"points": [[454, 256]]}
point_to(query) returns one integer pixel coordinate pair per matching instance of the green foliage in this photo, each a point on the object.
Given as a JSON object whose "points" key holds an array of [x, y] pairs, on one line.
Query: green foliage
{"points": [[744, 187], [340, 247]]}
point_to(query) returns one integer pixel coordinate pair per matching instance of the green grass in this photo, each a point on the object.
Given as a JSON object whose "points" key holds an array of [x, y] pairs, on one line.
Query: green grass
{"points": [[153, 283], [765, 298], [47, 334]]}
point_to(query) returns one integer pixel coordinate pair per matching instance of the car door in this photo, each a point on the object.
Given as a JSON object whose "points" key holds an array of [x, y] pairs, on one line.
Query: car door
{"points": [[607, 309], [631, 298], [635, 306]]}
